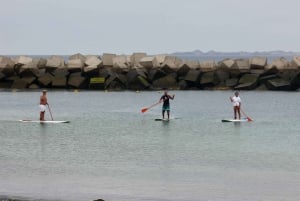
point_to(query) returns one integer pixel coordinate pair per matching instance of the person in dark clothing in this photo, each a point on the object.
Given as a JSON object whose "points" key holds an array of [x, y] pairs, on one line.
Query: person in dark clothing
{"points": [[166, 104]]}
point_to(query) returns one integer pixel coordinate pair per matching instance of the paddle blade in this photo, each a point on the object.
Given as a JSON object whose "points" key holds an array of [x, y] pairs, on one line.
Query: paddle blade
{"points": [[144, 110], [249, 119]]}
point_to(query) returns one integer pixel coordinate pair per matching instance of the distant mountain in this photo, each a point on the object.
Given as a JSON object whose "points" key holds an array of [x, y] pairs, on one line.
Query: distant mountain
{"points": [[217, 56]]}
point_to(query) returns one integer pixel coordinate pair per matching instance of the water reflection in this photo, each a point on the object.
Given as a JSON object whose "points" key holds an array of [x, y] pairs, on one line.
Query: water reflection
{"points": [[43, 137]]}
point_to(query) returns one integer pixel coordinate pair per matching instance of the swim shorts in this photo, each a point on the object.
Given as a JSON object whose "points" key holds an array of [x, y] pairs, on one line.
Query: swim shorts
{"points": [[166, 108], [42, 108]]}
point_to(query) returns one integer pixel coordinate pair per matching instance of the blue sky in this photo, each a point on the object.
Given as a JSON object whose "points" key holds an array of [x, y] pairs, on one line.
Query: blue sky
{"points": [[151, 26]]}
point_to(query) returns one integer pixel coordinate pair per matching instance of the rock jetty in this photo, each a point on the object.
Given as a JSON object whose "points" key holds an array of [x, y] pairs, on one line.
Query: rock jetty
{"points": [[140, 71]]}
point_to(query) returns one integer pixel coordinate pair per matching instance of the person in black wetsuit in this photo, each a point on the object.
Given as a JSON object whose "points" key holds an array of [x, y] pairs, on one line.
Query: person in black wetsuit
{"points": [[166, 105]]}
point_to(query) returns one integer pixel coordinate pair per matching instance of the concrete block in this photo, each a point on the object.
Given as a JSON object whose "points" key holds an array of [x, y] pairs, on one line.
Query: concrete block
{"points": [[192, 75], [159, 60], [135, 58], [231, 82], [93, 61], [182, 85], [168, 82], [30, 69], [23, 60], [296, 61], [242, 65], [183, 70], [19, 84], [7, 66], [227, 63], [173, 62], [155, 74], [247, 82], [253, 78], [192, 64], [91, 71], [278, 84], [147, 62], [134, 73], [115, 82], [61, 72], [2, 76], [42, 63], [280, 63], [75, 65], [206, 66], [78, 56], [121, 61], [45, 80], [55, 62], [208, 79], [59, 82], [33, 86], [76, 81], [6, 62], [295, 80], [107, 59], [222, 75], [29, 80], [258, 62]]}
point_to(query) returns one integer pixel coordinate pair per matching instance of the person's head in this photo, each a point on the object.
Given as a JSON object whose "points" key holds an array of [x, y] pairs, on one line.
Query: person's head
{"points": [[236, 94], [44, 92]]}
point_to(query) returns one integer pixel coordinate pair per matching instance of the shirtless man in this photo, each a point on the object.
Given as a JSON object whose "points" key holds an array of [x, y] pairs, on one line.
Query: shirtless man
{"points": [[43, 103]]}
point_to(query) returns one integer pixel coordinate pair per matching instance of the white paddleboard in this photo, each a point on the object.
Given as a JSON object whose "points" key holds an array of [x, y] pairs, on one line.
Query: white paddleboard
{"points": [[234, 120], [43, 122]]}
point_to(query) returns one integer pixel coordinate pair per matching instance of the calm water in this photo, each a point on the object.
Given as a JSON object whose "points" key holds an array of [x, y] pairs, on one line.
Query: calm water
{"points": [[112, 151]]}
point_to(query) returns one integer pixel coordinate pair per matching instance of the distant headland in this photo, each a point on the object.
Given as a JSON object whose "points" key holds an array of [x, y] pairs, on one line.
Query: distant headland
{"points": [[218, 56], [276, 70]]}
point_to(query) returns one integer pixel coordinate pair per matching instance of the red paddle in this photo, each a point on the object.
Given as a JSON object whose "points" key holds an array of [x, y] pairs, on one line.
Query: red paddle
{"points": [[143, 110], [248, 118]]}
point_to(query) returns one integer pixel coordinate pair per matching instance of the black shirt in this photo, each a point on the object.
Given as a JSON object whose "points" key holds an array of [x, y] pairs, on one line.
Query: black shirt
{"points": [[166, 99]]}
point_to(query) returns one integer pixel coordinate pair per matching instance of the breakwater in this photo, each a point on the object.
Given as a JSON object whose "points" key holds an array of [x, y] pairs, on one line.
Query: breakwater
{"points": [[140, 71]]}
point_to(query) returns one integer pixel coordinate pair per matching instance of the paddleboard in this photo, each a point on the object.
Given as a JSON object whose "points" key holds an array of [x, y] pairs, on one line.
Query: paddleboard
{"points": [[160, 119], [43, 122], [234, 120]]}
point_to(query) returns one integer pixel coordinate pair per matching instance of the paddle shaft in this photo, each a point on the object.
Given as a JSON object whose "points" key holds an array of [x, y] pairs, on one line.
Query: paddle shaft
{"points": [[50, 112], [245, 114], [154, 105], [147, 108]]}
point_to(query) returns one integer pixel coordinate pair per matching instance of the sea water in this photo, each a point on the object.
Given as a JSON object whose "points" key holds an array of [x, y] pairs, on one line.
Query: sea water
{"points": [[111, 150]]}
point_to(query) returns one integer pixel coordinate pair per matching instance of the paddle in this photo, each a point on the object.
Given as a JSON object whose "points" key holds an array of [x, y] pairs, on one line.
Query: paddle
{"points": [[147, 108], [248, 118], [50, 112]]}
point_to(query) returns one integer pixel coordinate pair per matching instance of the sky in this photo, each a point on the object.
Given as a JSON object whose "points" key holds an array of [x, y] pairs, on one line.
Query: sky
{"points": [[63, 27]]}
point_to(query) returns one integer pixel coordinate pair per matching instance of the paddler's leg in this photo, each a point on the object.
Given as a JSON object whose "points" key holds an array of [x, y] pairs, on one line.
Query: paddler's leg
{"points": [[42, 116], [239, 111], [235, 111]]}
